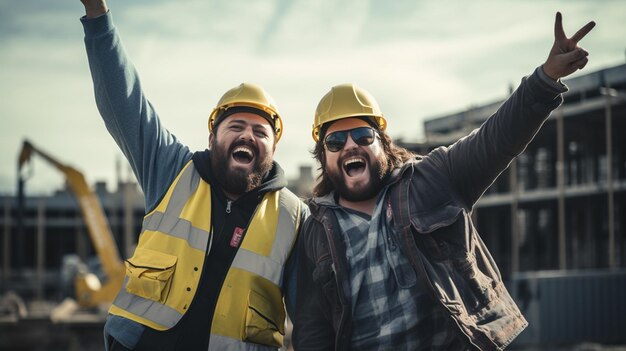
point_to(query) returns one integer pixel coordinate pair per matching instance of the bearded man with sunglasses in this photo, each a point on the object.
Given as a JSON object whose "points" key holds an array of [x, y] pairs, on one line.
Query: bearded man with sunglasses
{"points": [[390, 259]]}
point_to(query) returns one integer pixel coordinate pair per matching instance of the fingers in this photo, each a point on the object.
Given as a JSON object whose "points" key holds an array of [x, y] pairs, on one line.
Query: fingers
{"points": [[583, 31], [580, 64], [574, 56], [559, 34]]}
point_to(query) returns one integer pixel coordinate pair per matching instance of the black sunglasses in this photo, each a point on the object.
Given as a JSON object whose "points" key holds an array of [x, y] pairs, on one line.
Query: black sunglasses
{"points": [[363, 136]]}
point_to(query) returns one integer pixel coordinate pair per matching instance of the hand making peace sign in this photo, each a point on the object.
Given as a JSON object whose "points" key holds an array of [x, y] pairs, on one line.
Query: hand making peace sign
{"points": [[566, 56]]}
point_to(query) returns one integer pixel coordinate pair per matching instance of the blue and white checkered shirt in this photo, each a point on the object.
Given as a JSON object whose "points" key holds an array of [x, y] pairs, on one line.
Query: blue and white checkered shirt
{"points": [[390, 308]]}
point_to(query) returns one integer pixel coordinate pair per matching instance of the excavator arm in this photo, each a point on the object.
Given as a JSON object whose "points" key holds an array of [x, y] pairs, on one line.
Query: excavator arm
{"points": [[89, 290]]}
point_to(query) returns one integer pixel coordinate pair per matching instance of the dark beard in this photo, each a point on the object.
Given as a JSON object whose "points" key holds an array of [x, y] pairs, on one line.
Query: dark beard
{"points": [[378, 172], [238, 181]]}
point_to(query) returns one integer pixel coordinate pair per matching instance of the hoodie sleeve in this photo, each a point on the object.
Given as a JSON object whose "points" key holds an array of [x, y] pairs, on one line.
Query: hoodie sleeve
{"points": [[155, 155]]}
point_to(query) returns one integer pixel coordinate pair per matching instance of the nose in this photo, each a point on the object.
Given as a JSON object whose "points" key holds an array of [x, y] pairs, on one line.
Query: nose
{"points": [[350, 144], [247, 133]]}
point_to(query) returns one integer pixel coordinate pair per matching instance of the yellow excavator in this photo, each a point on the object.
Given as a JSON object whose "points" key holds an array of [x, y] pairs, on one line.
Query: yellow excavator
{"points": [[90, 291]]}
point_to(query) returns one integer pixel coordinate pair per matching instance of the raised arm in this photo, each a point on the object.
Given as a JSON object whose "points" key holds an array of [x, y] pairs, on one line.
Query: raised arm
{"points": [[155, 155], [474, 162], [94, 8], [566, 57]]}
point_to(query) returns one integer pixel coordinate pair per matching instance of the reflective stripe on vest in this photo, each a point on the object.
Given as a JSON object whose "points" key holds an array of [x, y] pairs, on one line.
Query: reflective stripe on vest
{"points": [[268, 264], [178, 230], [149, 309], [168, 231]]}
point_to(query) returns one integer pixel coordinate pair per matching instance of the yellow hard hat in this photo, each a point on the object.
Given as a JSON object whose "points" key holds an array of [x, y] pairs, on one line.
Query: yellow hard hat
{"points": [[248, 95], [345, 101]]}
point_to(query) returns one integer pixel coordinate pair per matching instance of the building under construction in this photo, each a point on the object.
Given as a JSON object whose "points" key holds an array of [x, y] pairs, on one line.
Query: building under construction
{"points": [[560, 205]]}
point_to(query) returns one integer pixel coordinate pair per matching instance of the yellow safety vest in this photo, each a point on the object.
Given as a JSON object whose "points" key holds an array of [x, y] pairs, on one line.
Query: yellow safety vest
{"points": [[163, 274]]}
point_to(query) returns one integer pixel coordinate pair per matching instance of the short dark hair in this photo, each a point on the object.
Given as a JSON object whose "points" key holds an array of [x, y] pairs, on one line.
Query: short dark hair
{"points": [[246, 109]]}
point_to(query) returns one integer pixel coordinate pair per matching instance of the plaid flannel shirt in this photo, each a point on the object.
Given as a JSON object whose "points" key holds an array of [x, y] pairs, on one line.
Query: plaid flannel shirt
{"points": [[390, 309]]}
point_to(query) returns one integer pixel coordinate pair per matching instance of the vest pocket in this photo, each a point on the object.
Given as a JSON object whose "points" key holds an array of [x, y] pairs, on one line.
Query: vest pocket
{"points": [[150, 274], [265, 322]]}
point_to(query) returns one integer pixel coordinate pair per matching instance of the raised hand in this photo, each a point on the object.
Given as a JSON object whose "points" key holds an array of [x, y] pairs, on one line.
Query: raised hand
{"points": [[566, 56], [94, 8]]}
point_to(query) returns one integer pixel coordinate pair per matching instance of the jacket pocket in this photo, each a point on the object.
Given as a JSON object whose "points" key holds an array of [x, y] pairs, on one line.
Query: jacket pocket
{"points": [[477, 289], [150, 274], [432, 219], [265, 322]]}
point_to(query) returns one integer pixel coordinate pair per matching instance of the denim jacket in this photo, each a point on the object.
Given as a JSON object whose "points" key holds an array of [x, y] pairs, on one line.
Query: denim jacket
{"points": [[432, 198]]}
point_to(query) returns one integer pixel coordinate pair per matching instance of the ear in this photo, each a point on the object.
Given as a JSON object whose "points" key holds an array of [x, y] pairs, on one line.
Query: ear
{"points": [[211, 137]]}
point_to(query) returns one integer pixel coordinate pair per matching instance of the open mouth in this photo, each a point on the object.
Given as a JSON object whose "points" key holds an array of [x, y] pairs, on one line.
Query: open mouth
{"points": [[354, 166], [243, 154]]}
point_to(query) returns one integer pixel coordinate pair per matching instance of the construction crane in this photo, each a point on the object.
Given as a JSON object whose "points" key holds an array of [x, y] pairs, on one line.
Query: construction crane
{"points": [[90, 291]]}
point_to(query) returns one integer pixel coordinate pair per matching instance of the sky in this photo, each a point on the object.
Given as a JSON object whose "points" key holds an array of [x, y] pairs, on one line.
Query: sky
{"points": [[420, 59]]}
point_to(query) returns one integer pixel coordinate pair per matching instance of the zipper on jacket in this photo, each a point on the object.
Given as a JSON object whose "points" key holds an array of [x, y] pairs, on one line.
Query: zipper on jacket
{"points": [[388, 229], [223, 278]]}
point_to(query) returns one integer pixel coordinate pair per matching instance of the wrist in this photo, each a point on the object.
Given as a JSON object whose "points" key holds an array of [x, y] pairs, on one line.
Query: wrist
{"points": [[96, 26], [549, 82], [96, 11]]}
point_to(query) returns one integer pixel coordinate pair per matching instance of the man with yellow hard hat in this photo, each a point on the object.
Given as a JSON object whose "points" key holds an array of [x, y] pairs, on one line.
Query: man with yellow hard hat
{"points": [[389, 258], [213, 261]]}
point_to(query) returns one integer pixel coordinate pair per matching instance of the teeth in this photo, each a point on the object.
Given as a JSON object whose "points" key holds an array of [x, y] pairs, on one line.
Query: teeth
{"points": [[353, 160], [243, 149]]}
